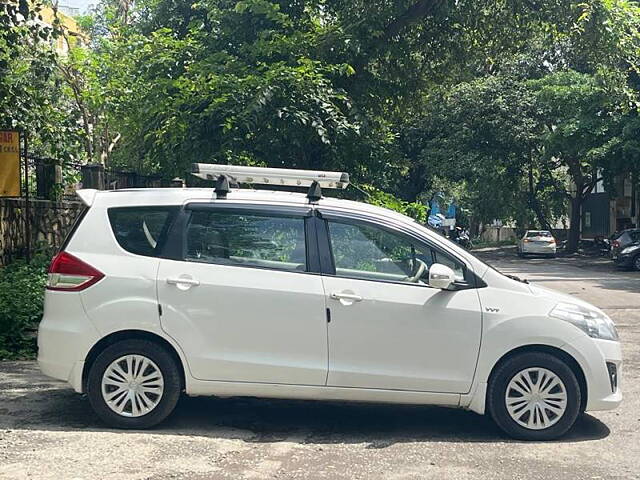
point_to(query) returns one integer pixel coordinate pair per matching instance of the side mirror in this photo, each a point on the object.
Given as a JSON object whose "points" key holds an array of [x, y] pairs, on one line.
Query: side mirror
{"points": [[441, 276]]}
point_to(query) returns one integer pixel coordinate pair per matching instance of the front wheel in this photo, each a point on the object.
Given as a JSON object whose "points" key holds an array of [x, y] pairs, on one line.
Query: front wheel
{"points": [[534, 396], [134, 384], [636, 263]]}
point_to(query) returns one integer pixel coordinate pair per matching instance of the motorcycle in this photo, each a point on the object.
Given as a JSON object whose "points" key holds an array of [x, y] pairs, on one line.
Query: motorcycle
{"points": [[463, 239]]}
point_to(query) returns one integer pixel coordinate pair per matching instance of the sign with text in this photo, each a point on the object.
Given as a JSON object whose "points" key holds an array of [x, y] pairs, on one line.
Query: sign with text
{"points": [[9, 163]]}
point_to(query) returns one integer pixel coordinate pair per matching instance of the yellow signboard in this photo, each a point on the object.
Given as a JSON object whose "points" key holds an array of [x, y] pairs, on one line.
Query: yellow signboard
{"points": [[9, 163]]}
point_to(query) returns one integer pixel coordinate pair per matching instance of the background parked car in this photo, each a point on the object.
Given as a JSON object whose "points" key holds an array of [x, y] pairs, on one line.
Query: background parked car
{"points": [[538, 242], [625, 249]]}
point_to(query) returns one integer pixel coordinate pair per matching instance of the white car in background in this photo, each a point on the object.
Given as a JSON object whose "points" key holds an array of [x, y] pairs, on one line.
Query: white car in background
{"points": [[537, 242], [276, 294]]}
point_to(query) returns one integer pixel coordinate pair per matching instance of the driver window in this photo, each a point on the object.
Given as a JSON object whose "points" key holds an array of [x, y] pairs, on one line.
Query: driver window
{"points": [[371, 253]]}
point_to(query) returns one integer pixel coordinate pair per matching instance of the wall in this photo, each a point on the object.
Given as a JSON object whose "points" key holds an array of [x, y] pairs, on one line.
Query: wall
{"points": [[50, 222], [497, 234]]}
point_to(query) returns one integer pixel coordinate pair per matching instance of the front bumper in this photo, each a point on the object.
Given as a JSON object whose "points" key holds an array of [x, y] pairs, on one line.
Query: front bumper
{"points": [[598, 359]]}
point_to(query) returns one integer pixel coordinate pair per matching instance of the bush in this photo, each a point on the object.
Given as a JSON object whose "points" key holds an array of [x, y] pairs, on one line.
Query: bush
{"points": [[379, 198], [21, 301]]}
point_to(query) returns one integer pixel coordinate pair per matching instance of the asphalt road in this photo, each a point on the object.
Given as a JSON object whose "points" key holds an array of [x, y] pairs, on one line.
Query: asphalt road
{"points": [[47, 431]]}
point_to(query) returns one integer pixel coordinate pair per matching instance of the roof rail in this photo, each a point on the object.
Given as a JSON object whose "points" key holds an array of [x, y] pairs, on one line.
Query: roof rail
{"points": [[223, 175]]}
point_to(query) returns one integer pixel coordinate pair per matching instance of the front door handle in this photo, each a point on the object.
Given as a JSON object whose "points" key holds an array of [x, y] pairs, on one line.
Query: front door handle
{"points": [[183, 281], [350, 297]]}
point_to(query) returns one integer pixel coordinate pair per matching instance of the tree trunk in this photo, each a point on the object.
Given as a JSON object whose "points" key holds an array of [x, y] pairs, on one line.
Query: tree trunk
{"points": [[574, 223], [534, 203]]}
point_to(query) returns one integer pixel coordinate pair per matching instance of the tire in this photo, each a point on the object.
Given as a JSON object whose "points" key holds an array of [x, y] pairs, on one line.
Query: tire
{"points": [[636, 263], [163, 388], [549, 369]]}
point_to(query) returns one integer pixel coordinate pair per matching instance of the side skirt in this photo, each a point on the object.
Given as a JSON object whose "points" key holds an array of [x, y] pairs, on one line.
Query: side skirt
{"points": [[309, 392]]}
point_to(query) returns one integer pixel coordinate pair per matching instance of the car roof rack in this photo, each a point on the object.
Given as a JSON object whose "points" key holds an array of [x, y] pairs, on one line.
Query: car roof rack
{"points": [[226, 175]]}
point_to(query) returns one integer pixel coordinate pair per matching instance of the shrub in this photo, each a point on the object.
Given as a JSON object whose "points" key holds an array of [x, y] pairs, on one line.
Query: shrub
{"points": [[21, 301], [379, 198]]}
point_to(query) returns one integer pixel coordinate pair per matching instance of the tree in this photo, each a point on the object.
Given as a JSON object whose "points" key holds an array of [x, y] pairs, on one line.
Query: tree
{"points": [[325, 83], [31, 97], [584, 119], [487, 135]]}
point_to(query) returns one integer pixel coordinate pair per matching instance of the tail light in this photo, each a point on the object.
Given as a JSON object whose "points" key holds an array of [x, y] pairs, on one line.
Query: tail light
{"points": [[616, 244], [70, 274]]}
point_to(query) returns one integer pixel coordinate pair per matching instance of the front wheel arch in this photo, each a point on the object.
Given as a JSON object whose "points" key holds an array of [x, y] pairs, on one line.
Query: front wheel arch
{"points": [[129, 335], [556, 352]]}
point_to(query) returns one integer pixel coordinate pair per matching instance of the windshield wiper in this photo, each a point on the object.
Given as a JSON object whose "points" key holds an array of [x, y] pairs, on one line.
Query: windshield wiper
{"points": [[517, 279]]}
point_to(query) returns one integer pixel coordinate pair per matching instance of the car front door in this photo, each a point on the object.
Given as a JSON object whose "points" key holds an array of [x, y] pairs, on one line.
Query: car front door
{"points": [[389, 329], [239, 297]]}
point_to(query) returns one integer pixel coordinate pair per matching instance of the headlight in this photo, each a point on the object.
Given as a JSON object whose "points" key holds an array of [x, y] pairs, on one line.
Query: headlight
{"points": [[593, 322], [629, 249]]}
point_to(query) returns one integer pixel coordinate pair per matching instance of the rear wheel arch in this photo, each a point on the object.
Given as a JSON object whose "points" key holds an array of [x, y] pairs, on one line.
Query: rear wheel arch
{"points": [[571, 362], [121, 335]]}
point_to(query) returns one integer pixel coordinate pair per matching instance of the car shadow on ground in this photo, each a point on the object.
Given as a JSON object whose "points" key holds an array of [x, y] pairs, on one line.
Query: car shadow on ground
{"points": [[32, 402]]}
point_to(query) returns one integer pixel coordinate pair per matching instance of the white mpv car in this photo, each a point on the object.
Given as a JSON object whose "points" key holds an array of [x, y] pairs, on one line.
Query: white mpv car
{"points": [[276, 294]]}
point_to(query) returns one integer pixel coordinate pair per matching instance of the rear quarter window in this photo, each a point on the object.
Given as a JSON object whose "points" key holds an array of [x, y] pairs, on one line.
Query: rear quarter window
{"points": [[141, 230]]}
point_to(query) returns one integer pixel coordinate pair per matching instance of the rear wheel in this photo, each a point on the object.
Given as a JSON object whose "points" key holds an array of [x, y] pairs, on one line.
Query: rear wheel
{"points": [[636, 263], [134, 384], [534, 396]]}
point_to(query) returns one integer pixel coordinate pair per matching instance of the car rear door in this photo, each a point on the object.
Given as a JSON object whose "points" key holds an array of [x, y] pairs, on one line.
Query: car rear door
{"points": [[240, 295]]}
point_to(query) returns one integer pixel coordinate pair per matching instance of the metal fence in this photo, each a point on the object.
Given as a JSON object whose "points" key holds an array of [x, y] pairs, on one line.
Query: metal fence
{"points": [[48, 176], [47, 207]]}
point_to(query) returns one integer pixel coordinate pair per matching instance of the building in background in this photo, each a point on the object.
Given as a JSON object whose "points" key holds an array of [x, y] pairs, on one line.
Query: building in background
{"points": [[72, 33], [604, 214]]}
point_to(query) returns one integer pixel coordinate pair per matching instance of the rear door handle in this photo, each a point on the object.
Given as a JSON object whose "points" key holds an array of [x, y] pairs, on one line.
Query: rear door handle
{"points": [[183, 281], [351, 297]]}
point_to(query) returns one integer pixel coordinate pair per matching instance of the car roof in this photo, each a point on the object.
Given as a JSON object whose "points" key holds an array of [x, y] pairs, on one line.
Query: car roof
{"points": [[178, 196]]}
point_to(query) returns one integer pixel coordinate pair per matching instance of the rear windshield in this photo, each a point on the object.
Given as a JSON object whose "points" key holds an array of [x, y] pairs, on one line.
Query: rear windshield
{"points": [[141, 230], [538, 234]]}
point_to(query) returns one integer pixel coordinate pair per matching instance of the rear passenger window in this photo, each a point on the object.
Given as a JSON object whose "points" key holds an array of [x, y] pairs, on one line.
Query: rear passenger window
{"points": [[254, 240], [140, 230]]}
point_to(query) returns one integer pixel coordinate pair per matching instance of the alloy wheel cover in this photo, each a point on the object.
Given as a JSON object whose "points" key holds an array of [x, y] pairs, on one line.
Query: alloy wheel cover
{"points": [[536, 398], [132, 385]]}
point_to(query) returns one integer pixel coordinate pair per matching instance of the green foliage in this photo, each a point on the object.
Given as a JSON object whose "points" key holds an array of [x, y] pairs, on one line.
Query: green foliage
{"points": [[379, 198], [500, 105], [32, 97], [21, 302]]}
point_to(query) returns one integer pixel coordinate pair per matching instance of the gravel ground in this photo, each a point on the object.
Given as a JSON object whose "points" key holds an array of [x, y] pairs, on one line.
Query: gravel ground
{"points": [[47, 431]]}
